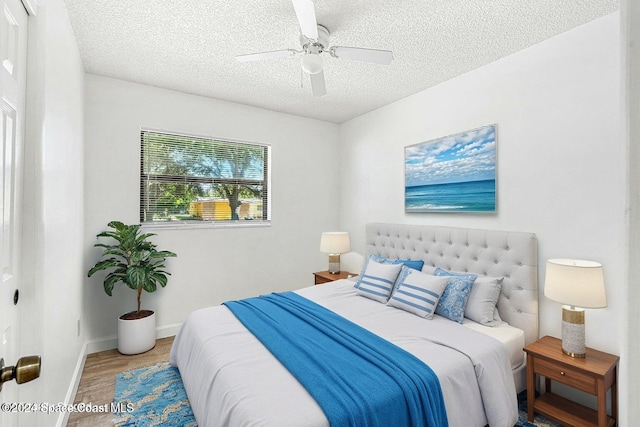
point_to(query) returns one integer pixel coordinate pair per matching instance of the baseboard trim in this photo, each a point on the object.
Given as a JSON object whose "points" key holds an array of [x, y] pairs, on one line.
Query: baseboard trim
{"points": [[63, 418], [94, 346], [101, 344], [168, 331], [110, 342]]}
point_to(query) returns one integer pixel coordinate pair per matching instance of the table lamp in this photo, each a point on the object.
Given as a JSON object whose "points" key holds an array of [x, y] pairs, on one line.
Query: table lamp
{"points": [[334, 243], [577, 284]]}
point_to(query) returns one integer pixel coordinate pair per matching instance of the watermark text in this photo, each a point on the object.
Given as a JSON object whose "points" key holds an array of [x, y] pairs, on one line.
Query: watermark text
{"points": [[56, 408]]}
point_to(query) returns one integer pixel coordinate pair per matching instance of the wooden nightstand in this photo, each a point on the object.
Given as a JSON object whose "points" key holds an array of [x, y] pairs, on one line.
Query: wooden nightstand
{"points": [[325, 276], [595, 374]]}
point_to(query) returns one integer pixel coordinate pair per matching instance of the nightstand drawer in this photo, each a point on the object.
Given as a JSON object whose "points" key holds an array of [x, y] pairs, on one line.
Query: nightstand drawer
{"points": [[566, 375], [325, 277], [320, 280]]}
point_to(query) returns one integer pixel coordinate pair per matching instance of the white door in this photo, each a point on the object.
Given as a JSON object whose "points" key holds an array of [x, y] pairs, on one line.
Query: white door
{"points": [[13, 57]]}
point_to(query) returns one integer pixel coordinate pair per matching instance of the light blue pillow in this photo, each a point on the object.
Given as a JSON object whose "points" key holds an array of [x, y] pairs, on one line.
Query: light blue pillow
{"points": [[411, 263], [417, 292], [377, 280], [455, 296]]}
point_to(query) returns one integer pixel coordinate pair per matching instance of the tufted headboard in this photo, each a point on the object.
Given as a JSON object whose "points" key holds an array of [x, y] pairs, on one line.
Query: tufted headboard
{"points": [[512, 255]]}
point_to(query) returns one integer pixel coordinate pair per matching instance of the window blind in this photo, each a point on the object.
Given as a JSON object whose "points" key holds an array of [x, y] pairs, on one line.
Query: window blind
{"points": [[193, 179]]}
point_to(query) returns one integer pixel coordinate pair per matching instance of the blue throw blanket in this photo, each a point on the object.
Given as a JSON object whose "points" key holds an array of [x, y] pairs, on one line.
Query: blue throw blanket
{"points": [[357, 378]]}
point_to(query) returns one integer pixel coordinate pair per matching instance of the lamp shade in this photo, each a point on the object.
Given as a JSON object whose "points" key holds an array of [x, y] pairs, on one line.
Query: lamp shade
{"points": [[575, 282], [335, 242]]}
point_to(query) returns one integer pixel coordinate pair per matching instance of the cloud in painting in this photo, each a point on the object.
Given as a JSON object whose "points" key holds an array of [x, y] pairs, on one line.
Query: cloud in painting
{"points": [[467, 156]]}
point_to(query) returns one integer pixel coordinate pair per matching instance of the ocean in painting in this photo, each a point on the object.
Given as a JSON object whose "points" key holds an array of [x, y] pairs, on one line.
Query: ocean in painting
{"points": [[470, 196]]}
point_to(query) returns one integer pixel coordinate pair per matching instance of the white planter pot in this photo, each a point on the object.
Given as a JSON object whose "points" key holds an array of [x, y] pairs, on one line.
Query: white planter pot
{"points": [[137, 336]]}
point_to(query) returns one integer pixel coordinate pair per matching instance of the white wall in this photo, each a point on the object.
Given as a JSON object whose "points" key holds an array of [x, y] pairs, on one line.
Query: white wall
{"points": [[561, 169], [53, 234], [630, 14], [213, 265]]}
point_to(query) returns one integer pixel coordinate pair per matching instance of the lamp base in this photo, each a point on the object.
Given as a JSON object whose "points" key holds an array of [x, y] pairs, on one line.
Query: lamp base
{"points": [[573, 332], [334, 263]]}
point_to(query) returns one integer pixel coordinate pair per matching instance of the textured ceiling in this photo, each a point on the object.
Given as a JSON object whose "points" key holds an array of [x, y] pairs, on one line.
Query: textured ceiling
{"points": [[189, 45]]}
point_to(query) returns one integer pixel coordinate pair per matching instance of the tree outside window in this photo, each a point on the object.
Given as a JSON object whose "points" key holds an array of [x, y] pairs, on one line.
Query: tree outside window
{"points": [[191, 179]]}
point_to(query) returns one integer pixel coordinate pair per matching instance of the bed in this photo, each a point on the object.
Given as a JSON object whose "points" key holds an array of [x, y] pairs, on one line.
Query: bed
{"points": [[232, 379]]}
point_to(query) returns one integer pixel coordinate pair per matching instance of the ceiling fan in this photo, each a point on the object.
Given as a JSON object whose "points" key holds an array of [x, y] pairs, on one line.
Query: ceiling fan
{"points": [[314, 39]]}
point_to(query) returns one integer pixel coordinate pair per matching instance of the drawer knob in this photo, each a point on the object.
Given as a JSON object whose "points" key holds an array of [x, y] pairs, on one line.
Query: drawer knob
{"points": [[562, 373]]}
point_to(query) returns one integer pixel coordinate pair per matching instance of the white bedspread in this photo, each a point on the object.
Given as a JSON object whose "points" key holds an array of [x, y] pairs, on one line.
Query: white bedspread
{"points": [[233, 380], [512, 338]]}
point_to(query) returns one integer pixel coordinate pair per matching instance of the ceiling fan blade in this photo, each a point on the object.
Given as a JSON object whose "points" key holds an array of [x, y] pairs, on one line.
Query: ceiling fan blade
{"points": [[306, 14], [317, 84], [264, 56], [376, 56]]}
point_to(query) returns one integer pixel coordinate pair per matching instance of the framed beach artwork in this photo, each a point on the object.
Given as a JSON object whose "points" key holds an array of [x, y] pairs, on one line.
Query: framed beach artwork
{"points": [[455, 173]]}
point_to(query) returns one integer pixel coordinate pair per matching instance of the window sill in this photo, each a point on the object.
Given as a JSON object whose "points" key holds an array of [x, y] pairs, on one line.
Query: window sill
{"points": [[189, 225]]}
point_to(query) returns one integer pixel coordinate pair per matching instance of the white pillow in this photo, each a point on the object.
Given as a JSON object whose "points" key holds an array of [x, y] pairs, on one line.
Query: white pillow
{"points": [[376, 281], [481, 305], [418, 292]]}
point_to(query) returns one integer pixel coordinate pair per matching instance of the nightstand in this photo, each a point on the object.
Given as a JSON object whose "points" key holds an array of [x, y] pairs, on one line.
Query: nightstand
{"points": [[595, 374], [325, 276]]}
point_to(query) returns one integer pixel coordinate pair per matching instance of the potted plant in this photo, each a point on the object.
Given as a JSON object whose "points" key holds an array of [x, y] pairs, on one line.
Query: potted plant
{"points": [[134, 261]]}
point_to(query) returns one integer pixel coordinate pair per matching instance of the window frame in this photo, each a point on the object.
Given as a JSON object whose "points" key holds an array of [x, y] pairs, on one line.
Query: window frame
{"points": [[186, 224]]}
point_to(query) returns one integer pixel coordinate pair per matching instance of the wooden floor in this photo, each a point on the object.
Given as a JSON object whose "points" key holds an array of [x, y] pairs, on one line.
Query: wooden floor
{"points": [[98, 380]]}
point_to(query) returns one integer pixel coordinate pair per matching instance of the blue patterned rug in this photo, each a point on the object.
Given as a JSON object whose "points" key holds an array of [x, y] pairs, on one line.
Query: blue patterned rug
{"points": [[152, 396], [155, 396]]}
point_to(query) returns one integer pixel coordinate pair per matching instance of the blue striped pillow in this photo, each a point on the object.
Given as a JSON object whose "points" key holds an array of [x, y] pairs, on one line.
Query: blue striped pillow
{"points": [[418, 292], [376, 281], [377, 258]]}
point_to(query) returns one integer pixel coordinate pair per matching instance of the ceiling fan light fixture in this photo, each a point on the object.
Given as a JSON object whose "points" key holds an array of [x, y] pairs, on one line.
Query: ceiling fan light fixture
{"points": [[312, 63], [314, 40]]}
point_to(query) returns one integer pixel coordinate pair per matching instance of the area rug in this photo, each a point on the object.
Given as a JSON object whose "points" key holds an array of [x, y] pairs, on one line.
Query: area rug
{"points": [[152, 396], [155, 396]]}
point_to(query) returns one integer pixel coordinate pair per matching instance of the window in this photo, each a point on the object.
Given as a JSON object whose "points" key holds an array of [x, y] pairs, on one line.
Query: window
{"points": [[187, 180]]}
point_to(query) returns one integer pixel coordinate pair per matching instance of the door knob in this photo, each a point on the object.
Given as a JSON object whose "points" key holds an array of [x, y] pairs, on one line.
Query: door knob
{"points": [[27, 369]]}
